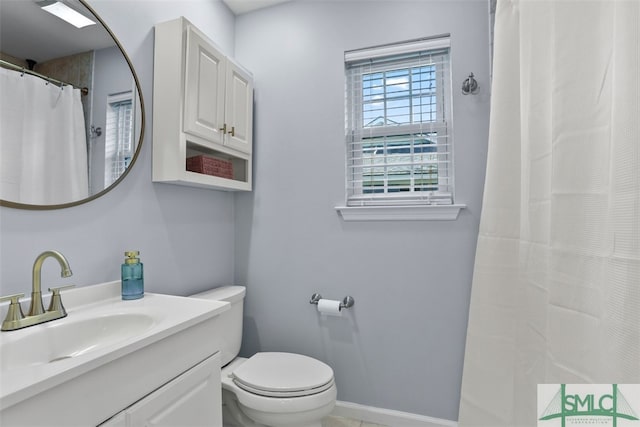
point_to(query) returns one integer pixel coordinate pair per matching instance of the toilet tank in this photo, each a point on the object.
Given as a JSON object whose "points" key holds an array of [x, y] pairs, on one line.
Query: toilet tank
{"points": [[227, 331]]}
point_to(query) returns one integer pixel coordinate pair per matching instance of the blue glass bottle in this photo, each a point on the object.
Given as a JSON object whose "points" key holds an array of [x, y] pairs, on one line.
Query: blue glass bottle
{"points": [[132, 276]]}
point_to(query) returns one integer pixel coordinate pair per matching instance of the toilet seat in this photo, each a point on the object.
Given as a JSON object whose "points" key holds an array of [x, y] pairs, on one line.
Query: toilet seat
{"points": [[280, 375], [272, 410]]}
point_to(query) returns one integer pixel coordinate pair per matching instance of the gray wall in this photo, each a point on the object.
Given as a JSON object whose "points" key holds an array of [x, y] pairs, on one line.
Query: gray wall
{"points": [[185, 235], [401, 346]]}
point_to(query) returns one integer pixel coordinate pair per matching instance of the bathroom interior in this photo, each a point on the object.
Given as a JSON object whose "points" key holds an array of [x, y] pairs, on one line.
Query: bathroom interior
{"points": [[535, 279]]}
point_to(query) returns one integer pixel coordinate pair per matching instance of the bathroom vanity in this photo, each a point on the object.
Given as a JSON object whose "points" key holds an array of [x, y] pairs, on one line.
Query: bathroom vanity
{"points": [[114, 363]]}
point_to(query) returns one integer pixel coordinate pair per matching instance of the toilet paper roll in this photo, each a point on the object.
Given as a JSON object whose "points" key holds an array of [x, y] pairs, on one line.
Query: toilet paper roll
{"points": [[329, 307]]}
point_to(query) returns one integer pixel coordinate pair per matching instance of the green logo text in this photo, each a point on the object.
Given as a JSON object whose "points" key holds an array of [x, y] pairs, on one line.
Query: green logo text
{"points": [[565, 405]]}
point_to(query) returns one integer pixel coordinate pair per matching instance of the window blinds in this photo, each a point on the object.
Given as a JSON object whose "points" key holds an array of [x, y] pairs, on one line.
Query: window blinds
{"points": [[397, 117], [119, 136]]}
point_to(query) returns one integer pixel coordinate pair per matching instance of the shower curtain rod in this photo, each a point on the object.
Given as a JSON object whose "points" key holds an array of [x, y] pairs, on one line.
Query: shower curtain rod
{"points": [[7, 64]]}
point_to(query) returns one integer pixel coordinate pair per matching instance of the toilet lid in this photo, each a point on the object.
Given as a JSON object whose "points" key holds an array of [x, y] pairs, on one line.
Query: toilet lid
{"points": [[283, 375]]}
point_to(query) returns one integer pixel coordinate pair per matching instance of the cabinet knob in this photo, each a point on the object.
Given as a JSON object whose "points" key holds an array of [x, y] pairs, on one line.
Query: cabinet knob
{"points": [[233, 131], [223, 129]]}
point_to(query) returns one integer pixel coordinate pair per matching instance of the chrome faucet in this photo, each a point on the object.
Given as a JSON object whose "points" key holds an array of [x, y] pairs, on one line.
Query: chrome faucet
{"points": [[15, 319]]}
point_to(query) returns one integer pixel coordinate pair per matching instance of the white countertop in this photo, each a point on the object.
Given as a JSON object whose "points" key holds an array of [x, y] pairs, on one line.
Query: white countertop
{"points": [[25, 354]]}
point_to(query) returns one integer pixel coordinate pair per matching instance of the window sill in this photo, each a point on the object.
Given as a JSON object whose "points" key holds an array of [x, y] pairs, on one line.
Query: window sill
{"points": [[400, 213]]}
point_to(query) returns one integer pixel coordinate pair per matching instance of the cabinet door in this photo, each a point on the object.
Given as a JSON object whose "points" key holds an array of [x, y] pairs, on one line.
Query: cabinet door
{"points": [[192, 399], [239, 108], [204, 88], [119, 420]]}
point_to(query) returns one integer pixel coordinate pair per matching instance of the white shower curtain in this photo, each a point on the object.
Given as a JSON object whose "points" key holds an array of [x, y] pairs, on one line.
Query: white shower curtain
{"points": [[42, 141], [556, 287]]}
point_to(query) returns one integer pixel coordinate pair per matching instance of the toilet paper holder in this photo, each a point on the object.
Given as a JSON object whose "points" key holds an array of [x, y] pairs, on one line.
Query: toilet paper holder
{"points": [[347, 301]]}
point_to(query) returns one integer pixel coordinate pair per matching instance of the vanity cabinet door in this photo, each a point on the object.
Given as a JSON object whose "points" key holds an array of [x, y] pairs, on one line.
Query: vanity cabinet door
{"points": [[205, 72], [192, 399], [119, 420]]}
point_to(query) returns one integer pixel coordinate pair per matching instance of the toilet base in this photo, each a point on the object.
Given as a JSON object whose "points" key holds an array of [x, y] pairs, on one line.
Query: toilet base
{"points": [[291, 419], [234, 416]]}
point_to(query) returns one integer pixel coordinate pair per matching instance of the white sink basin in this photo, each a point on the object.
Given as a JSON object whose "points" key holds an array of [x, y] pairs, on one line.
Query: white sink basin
{"points": [[70, 337], [100, 328]]}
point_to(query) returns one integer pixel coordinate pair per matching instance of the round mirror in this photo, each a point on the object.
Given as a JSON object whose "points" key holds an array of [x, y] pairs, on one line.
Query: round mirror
{"points": [[72, 115]]}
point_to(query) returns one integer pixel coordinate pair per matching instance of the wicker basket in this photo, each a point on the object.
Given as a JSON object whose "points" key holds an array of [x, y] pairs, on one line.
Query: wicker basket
{"points": [[210, 166]]}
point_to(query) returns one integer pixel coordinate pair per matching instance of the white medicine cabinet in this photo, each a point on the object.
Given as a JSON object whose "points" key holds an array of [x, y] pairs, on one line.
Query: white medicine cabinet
{"points": [[202, 109]]}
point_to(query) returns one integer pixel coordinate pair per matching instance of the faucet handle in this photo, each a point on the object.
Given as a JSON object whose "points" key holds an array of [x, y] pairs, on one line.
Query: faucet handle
{"points": [[56, 300], [13, 298], [57, 290], [14, 312]]}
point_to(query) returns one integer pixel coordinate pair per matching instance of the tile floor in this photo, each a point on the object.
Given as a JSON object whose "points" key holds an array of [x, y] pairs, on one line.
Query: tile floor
{"points": [[346, 422]]}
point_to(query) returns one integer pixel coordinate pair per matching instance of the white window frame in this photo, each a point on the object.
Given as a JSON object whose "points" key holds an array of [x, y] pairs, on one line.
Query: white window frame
{"points": [[379, 202]]}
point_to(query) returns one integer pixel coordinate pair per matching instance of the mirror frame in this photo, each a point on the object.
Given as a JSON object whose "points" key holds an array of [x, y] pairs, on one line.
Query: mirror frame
{"points": [[25, 206]]}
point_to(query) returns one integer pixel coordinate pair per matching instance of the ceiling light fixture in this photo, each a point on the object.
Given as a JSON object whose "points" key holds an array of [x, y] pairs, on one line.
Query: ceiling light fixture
{"points": [[65, 13]]}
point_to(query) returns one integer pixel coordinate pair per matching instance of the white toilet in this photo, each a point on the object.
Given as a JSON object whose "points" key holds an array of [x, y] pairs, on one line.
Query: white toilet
{"points": [[267, 389]]}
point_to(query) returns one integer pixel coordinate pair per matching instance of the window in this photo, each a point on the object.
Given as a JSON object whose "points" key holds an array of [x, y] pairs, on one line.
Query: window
{"points": [[119, 136], [398, 123]]}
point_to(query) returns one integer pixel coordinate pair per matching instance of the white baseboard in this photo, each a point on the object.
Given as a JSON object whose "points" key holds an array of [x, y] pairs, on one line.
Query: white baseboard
{"points": [[387, 417]]}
